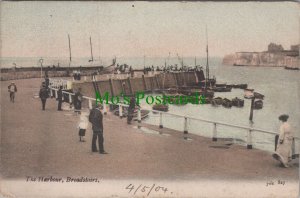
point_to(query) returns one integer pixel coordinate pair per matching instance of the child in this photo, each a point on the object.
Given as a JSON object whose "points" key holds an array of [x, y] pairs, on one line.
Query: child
{"points": [[83, 123]]}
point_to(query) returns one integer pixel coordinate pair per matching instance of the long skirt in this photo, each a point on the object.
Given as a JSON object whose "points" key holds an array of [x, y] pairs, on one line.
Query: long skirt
{"points": [[284, 151]]}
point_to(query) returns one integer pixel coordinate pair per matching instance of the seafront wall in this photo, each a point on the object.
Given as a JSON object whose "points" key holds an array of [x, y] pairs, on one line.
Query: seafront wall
{"points": [[261, 59], [35, 72], [129, 86]]}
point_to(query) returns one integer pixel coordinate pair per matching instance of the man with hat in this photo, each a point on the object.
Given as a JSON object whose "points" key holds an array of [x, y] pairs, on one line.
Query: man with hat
{"points": [[77, 100], [12, 89], [96, 118], [59, 98], [283, 151], [43, 95]]}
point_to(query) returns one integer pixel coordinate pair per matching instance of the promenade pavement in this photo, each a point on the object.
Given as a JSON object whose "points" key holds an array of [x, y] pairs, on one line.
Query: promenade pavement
{"points": [[46, 143]]}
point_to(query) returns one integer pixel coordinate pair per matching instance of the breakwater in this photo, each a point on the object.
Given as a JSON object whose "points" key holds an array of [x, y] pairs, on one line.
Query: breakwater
{"points": [[129, 86]]}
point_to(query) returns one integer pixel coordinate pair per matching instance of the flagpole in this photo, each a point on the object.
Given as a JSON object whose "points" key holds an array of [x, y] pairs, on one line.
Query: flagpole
{"points": [[207, 66], [70, 51]]}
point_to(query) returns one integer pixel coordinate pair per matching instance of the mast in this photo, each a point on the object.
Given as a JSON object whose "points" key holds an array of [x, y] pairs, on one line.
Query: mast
{"points": [[70, 51], [92, 59], [207, 66]]}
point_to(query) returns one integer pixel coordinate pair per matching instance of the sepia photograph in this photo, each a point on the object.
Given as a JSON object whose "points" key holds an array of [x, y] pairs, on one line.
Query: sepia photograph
{"points": [[149, 99]]}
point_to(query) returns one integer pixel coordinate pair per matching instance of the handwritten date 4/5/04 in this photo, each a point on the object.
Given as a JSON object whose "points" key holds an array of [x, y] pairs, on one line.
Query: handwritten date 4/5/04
{"points": [[146, 189]]}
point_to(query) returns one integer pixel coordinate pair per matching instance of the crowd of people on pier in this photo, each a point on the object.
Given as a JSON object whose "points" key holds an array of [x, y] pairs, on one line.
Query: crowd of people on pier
{"points": [[126, 69], [171, 68]]}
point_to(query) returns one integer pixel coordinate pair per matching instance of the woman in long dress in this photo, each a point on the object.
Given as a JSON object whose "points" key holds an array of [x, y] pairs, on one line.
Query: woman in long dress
{"points": [[284, 146]]}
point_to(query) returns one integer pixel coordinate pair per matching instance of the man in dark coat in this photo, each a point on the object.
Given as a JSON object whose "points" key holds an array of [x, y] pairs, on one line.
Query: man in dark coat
{"points": [[131, 108], [96, 118], [59, 98], [77, 101], [43, 96]]}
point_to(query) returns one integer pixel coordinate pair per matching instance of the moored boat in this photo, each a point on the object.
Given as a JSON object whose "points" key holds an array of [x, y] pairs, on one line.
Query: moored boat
{"points": [[160, 107], [240, 86], [291, 68], [258, 95], [216, 101], [258, 104], [237, 102], [227, 103], [248, 93], [222, 89]]}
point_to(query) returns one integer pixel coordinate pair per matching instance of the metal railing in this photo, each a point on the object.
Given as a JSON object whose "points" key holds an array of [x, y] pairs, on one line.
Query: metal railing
{"points": [[249, 130]]}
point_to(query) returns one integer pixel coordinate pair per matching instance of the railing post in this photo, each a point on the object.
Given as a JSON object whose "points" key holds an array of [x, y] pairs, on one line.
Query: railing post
{"points": [[90, 104], [120, 111], [293, 149], [70, 98], [185, 131], [55, 93], [51, 93], [104, 108], [215, 133], [160, 121], [139, 117], [249, 139]]}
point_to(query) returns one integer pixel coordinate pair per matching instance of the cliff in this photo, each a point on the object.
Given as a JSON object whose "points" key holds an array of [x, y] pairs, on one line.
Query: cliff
{"points": [[261, 59], [272, 57]]}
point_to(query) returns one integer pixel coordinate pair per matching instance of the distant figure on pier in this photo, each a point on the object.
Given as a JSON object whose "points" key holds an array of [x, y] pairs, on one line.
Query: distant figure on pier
{"points": [[131, 72], [283, 151], [83, 124], [59, 98], [75, 75], [12, 89], [79, 75], [77, 101], [43, 95], [96, 118]]}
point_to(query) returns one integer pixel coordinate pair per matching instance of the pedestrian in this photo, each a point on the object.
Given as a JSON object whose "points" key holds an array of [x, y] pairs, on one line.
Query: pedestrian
{"points": [[47, 81], [59, 98], [131, 109], [77, 101], [43, 95], [12, 89], [283, 151], [96, 118], [83, 124]]}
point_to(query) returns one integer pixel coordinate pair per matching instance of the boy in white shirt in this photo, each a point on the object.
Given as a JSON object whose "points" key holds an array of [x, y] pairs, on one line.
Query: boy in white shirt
{"points": [[83, 124]]}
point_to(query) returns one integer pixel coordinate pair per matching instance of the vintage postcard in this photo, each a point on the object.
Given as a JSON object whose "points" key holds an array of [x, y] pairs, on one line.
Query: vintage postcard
{"points": [[149, 99]]}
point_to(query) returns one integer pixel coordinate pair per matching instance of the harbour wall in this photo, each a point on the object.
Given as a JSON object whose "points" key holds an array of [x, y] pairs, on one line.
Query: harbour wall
{"points": [[129, 86], [35, 72]]}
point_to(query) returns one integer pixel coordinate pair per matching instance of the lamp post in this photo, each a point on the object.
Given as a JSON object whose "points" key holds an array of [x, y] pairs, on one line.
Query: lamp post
{"points": [[41, 61], [251, 109]]}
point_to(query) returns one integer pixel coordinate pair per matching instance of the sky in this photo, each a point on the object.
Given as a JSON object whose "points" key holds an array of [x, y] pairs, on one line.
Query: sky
{"points": [[153, 29]]}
